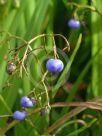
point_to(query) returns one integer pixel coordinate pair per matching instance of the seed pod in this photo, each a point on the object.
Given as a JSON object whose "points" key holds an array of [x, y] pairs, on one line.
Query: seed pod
{"points": [[9, 120], [42, 111], [10, 68]]}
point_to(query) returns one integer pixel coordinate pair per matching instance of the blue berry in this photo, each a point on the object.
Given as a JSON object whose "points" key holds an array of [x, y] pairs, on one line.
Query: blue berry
{"points": [[19, 115], [73, 23], [54, 65], [27, 102]]}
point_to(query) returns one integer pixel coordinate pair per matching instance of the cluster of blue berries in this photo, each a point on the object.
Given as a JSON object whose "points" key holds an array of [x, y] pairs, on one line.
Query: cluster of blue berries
{"points": [[52, 65], [73, 23], [26, 102]]}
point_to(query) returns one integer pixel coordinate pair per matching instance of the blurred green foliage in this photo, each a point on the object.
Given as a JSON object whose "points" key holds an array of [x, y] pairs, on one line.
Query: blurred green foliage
{"points": [[29, 18]]}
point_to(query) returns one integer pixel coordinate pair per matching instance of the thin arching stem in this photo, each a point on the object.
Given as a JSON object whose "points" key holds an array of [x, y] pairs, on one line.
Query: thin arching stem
{"points": [[92, 8], [81, 6], [51, 35], [5, 116], [11, 36], [46, 35]]}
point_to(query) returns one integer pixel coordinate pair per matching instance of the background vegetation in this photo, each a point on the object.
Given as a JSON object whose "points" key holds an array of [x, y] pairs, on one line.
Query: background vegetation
{"points": [[23, 20]]}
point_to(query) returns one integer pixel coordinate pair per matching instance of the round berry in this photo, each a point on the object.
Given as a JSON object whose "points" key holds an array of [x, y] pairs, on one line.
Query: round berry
{"points": [[27, 102], [19, 115], [73, 23], [54, 65], [10, 68]]}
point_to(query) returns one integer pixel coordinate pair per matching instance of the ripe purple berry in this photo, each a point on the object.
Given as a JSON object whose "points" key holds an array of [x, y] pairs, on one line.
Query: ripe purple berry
{"points": [[10, 68], [19, 115], [54, 65], [73, 23], [27, 102]]}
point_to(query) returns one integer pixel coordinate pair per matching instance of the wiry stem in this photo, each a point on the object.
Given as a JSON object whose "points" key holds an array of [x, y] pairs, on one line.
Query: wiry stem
{"points": [[92, 8]]}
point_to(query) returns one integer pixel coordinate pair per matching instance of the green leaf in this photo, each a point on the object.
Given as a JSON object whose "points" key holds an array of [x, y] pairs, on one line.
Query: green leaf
{"points": [[67, 68]]}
